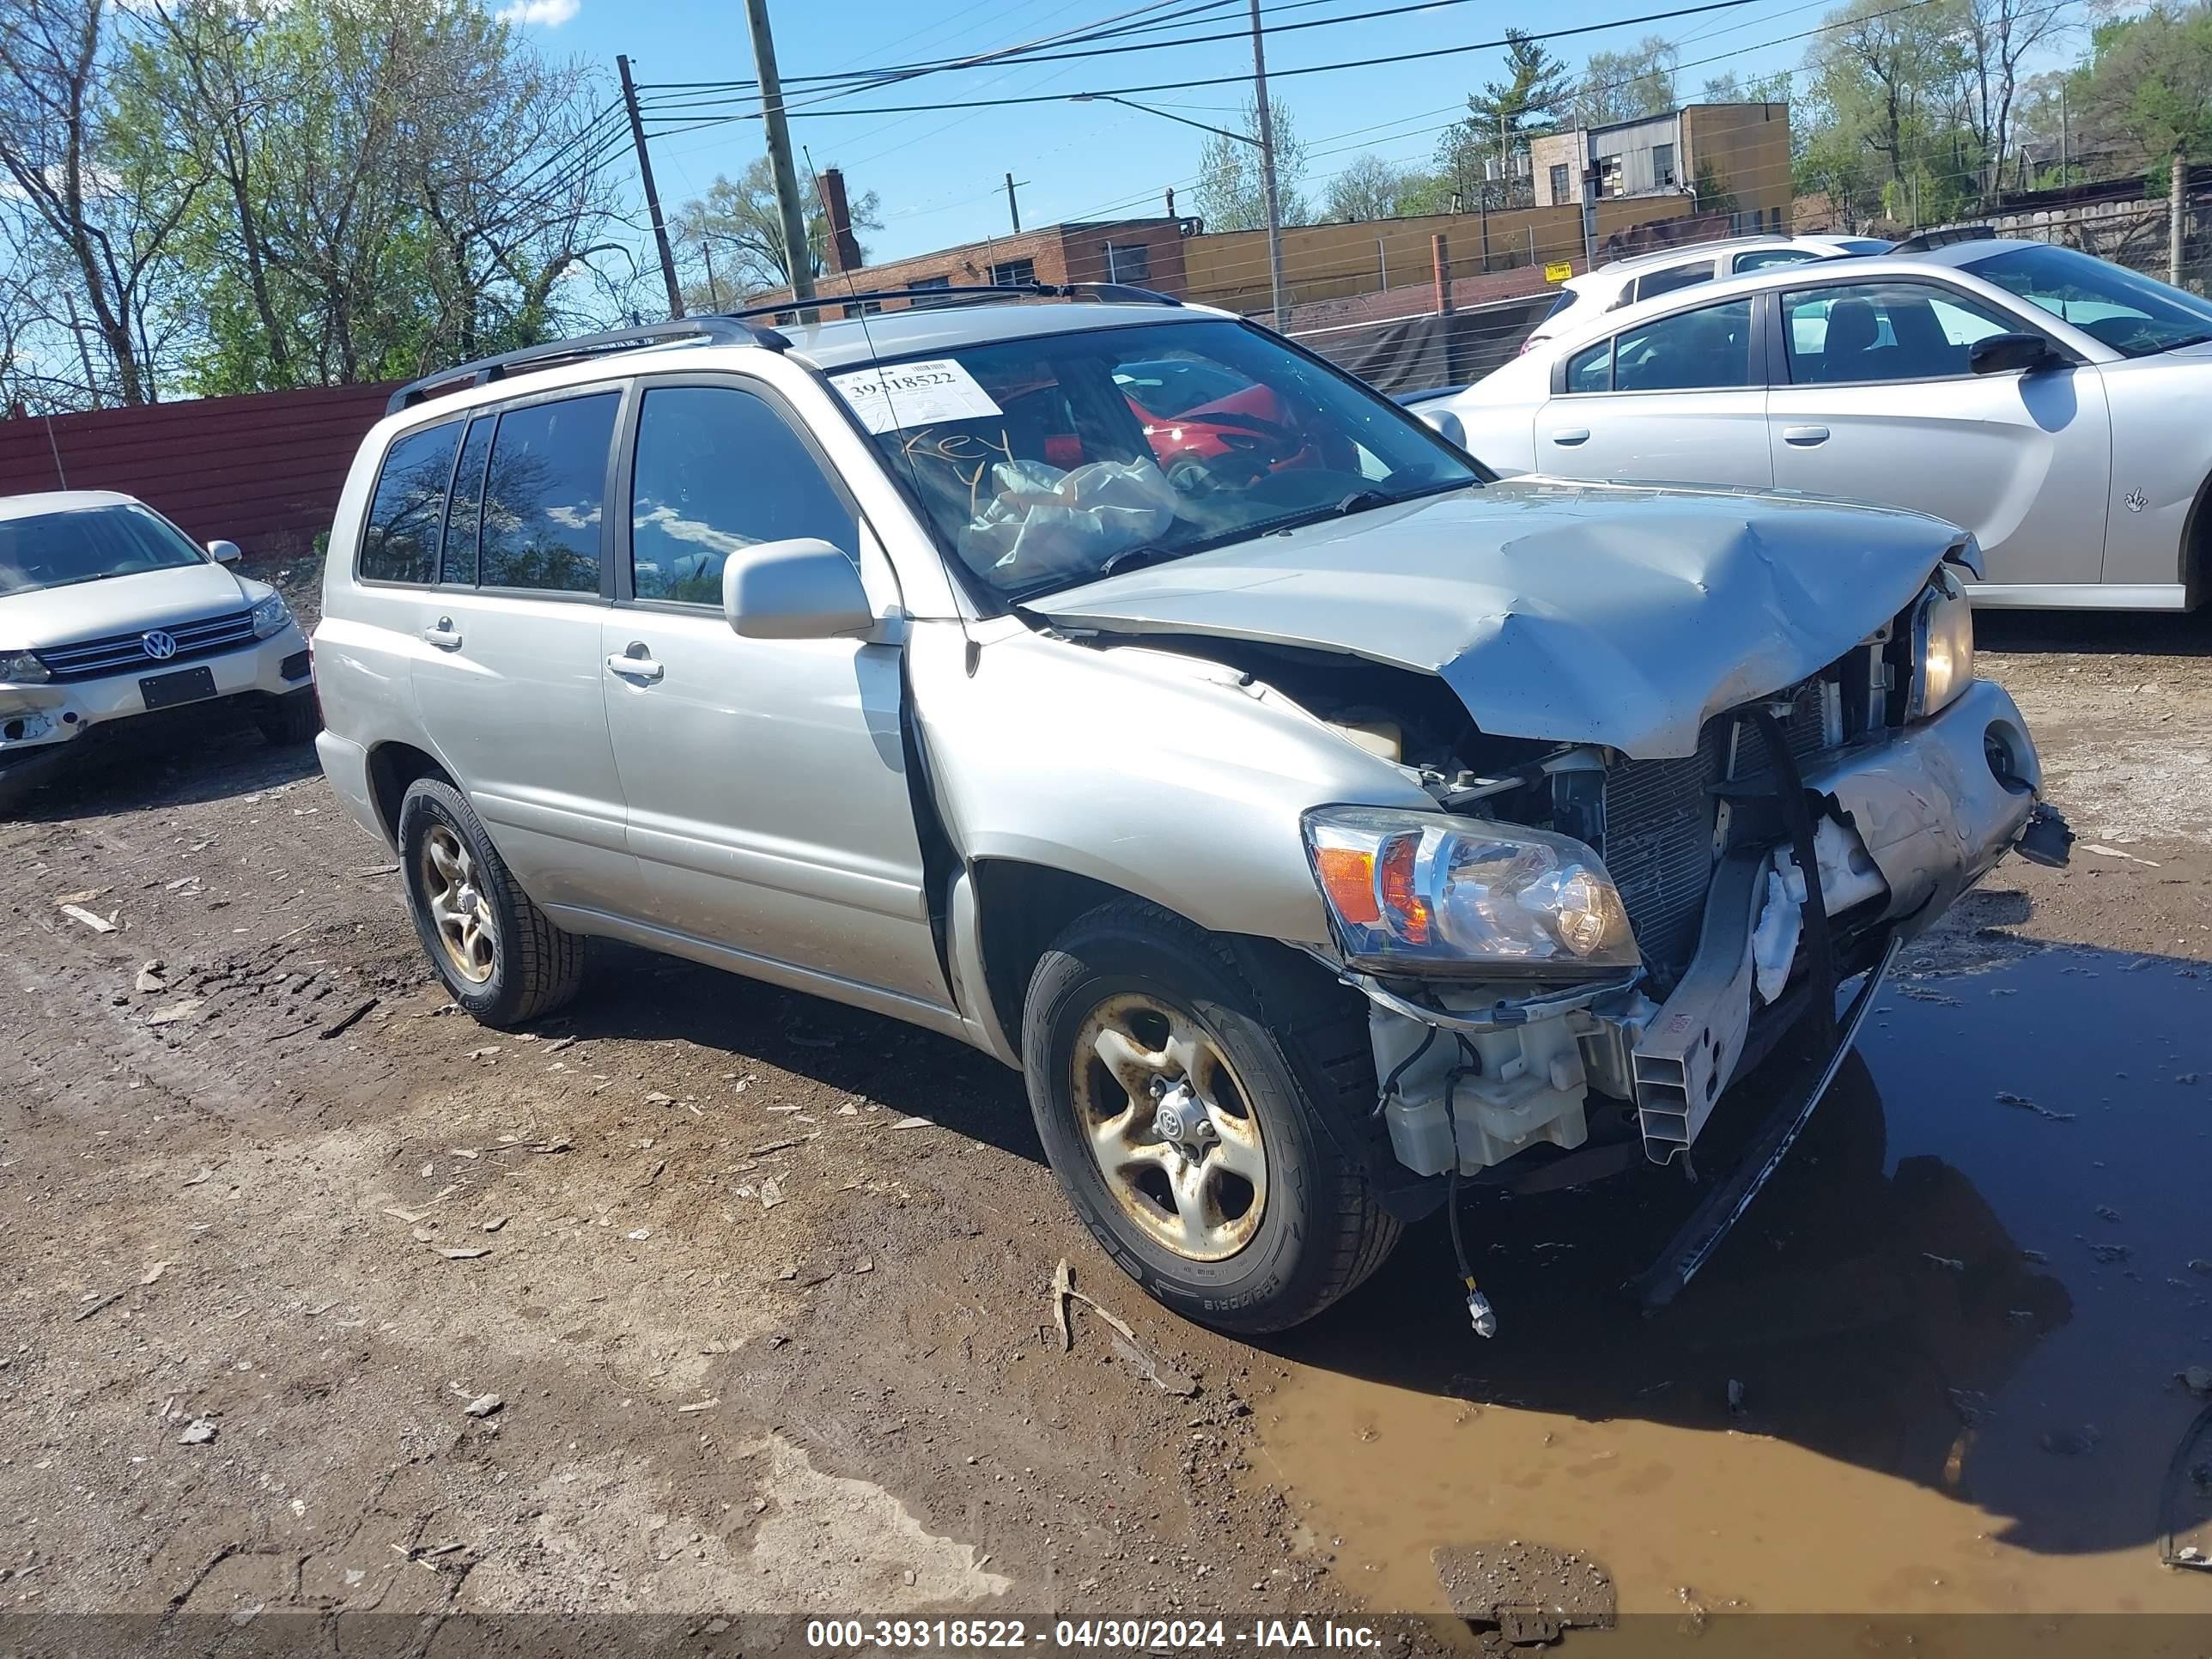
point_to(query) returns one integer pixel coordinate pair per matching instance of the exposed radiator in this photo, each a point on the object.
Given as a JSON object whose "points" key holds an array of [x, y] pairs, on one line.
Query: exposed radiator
{"points": [[1659, 827]]}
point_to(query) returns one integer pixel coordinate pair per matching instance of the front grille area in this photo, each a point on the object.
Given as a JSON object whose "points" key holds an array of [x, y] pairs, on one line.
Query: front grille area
{"points": [[1659, 828], [1659, 845], [206, 636]]}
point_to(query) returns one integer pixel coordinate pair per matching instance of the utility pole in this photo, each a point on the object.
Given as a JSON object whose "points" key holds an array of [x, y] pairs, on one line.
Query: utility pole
{"points": [[1014, 208], [2062, 135], [651, 196], [1267, 117], [2176, 211], [798, 254]]}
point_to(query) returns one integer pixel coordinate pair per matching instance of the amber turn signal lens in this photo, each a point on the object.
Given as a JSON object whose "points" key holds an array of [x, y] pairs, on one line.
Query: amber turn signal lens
{"points": [[1347, 876]]}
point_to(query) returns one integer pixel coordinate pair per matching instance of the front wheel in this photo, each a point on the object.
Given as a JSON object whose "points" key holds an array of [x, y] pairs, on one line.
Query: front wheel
{"points": [[500, 954], [1190, 1140], [291, 719]]}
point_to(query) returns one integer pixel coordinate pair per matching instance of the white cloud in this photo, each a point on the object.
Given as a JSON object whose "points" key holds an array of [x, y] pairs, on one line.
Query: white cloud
{"points": [[550, 13]]}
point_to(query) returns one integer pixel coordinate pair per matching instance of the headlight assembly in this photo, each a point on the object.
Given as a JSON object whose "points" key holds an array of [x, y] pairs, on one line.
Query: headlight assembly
{"points": [[23, 668], [1942, 644], [271, 617], [1421, 893]]}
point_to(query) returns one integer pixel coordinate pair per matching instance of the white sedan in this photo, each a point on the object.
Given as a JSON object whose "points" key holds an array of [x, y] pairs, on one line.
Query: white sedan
{"points": [[2057, 406]]}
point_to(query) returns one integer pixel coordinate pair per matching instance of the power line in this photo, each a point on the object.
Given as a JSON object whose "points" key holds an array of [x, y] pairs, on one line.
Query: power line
{"points": [[1311, 69]]}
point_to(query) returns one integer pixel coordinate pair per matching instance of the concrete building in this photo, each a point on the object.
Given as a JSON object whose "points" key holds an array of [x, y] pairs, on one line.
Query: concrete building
{"points": [[1735, 154]]}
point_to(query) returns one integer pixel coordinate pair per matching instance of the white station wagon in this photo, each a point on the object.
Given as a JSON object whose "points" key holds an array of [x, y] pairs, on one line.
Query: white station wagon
{"points": [[1316, 824]]}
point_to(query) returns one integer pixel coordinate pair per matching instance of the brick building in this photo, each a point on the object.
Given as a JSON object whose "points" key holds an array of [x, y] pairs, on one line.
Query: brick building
{"points": [[1143, 253]]}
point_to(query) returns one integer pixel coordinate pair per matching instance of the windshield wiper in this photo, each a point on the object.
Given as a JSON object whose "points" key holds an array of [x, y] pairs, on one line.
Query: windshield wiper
{"points": [[2204, 338]]}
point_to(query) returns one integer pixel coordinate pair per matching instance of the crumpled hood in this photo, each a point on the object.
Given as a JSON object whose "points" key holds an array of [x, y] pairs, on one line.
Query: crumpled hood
{"points": [[1570, 612], [122, 604]]}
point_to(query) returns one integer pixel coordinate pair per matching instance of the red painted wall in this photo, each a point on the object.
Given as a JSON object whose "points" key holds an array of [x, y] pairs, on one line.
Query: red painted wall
{"points": [[263, 471]]}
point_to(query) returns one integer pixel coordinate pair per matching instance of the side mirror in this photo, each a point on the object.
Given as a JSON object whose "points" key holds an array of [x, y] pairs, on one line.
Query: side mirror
{"points": [[1445, 424], [224, 552], [2001, 354], [801, 589]]}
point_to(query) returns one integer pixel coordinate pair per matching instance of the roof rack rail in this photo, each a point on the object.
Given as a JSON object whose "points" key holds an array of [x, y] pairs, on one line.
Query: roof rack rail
{"points": [[971, 294], [1934, 238], [713, 331]]}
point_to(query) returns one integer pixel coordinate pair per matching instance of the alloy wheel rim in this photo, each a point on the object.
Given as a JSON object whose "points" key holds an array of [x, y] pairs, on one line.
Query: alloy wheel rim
{"points": [[459, 906], [1170, 1127]]}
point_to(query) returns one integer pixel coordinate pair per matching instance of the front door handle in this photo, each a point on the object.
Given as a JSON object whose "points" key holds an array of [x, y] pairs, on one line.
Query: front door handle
{"points": [[1805, 437], [1571, 435], [443, 635], [636, 664]]}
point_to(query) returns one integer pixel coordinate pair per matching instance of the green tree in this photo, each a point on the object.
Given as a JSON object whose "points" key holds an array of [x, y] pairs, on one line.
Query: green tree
{"points": [[730, 241], [1230, 195], [2149, 85], [1370, 187], [1883, 97], [1620, 86], [1503, 116]]}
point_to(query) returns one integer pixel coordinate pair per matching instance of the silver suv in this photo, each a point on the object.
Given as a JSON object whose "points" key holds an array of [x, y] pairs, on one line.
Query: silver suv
{"points": [[1315, 822]]}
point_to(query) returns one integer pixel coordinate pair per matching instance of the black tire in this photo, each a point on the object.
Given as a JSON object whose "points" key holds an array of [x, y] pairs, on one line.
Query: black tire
{"points": [[535, 967], [25, 772], [1321, 1231], [291, 719]]}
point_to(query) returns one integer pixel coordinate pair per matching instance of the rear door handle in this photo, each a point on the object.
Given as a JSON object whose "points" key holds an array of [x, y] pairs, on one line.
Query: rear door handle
{"points": [[1805, 437], [1571, 435], [636, 664], [443, 635]]}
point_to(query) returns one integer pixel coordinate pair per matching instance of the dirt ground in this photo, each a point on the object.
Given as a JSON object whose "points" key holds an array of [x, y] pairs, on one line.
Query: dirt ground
{"points": [[761, 1285]]}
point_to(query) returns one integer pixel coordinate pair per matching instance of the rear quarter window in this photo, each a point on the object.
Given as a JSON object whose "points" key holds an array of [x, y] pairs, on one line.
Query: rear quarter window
{"points": [[408, 511]]}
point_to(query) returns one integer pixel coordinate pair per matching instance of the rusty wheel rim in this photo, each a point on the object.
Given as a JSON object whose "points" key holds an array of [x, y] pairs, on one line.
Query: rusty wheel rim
{"points": [[1170, 1127]]}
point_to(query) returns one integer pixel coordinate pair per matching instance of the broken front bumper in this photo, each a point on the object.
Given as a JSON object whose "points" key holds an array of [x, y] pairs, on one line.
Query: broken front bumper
{"points": [[1909, 821]]}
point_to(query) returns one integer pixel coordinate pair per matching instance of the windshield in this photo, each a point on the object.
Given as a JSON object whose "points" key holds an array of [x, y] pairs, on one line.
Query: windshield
{"points": [[86, 543], [1048, 461], [2134, 314]]}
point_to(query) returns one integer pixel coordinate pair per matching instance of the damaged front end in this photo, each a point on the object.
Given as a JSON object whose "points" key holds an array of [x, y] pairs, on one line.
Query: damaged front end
{"points": [[1657, 925]]}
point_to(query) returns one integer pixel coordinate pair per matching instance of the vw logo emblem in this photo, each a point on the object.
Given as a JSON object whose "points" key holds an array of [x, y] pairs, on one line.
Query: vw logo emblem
{"points": [[160, 647]]}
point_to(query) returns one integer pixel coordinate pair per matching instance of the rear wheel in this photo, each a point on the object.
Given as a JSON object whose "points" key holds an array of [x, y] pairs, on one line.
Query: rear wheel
{"points": [[500, 954], [1189, 1138]]}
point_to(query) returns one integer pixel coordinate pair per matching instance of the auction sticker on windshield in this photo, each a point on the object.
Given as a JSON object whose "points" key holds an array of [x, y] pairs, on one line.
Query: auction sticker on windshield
{"points": [[913, 394]]}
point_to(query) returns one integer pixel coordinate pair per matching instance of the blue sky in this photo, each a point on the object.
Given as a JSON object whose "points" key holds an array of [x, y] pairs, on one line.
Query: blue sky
{"points": [[940, 175]]}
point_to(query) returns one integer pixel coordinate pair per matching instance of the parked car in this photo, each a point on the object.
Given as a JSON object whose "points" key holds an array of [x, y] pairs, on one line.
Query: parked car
{"points": [[1648, 276], [2057, 406], [1311, 835], [108, 612]]}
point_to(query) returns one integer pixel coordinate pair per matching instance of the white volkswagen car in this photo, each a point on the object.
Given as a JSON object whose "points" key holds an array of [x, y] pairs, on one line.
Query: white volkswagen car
{"points": [[2057, 406], [108, 612]]}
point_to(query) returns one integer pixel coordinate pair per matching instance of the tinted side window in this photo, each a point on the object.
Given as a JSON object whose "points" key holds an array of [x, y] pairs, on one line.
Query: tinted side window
{"points": [[1666, 282], [1705, 350], [465, 515], [544, 494], [400, 542], [1765, 258], [719, 471], [1863, 331], [1590, 369]]}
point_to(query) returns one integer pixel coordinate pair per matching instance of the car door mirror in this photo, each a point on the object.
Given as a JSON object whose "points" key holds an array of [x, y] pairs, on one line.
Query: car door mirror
{"points": [[1445, 424], [224, 552], [800, 589], [2001, 354]]}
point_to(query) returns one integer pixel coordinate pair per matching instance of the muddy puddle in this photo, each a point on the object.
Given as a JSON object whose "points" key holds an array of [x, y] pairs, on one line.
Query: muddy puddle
{"points": [[1952, 1327]]}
